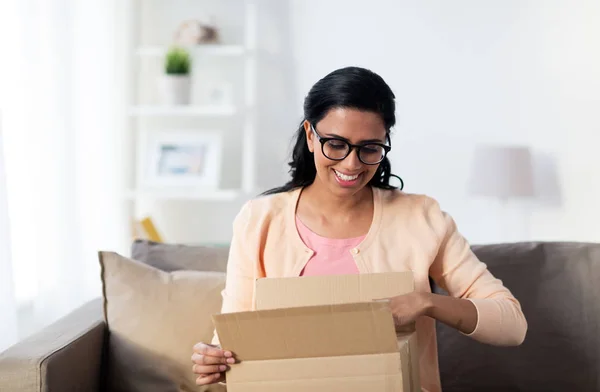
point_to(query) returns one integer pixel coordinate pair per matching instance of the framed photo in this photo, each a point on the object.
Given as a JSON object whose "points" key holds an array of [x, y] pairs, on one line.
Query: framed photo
{"points": [[181, 159]]}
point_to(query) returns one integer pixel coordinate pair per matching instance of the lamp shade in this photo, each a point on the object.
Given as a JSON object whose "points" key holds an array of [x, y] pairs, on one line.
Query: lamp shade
{"points": [[502, 172]]}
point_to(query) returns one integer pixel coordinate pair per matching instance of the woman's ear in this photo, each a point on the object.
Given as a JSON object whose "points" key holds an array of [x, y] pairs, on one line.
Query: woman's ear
{"points": [[309, 136]]}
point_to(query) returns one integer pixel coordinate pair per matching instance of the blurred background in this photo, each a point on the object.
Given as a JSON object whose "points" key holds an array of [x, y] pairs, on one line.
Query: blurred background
{"points": [[159, 119]]}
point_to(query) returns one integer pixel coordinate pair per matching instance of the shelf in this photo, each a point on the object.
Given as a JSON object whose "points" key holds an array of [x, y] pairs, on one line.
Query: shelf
{"points": [[184, 195], [200, 50], [207, 110]]}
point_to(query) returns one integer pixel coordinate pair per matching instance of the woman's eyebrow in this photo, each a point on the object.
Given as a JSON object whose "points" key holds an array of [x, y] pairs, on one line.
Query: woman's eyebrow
{"points": [[360, 142]]}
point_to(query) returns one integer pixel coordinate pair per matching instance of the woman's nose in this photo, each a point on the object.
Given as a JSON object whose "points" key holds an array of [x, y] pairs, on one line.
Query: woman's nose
{"points": [[351, 162]]}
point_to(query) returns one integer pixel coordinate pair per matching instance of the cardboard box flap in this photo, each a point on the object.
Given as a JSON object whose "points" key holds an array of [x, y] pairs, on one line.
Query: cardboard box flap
{"points": [[274, 293], [308, 332]]}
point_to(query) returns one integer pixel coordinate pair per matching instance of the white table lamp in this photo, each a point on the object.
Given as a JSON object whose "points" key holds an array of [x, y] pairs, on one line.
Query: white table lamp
{"points": [[502, 172]]}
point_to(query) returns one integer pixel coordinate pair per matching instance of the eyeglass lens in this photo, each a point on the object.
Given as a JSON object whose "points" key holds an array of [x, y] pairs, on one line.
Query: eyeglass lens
{"points": [[367, 153]]}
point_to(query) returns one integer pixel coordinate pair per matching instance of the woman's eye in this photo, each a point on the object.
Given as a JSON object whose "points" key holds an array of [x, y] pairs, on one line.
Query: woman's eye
{"points": [[370, 150], [337, 144]]}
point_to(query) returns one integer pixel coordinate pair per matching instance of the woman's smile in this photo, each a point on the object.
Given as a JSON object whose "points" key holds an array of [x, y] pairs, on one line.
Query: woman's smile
{"points": [[347, 179]]}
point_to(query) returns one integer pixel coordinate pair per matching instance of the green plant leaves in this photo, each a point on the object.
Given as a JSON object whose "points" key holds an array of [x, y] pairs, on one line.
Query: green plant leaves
{"points": [[177, 61]]}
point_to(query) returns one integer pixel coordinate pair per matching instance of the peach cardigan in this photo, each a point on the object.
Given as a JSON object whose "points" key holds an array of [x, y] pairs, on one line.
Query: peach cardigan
{"points": [[408, 232]]}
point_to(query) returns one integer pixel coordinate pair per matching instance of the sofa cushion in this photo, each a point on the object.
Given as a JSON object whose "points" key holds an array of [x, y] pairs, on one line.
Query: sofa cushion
{"points": [[557, 286], [154, 318], [174, 257]]}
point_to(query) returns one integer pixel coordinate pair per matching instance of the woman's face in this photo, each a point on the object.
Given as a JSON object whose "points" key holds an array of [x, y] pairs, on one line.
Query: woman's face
{"points": [[350, 175]]}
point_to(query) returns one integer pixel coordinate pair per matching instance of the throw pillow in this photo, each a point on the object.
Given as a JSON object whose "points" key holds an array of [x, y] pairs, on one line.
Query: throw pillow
{"points": [[173, 257], [154, 318]]}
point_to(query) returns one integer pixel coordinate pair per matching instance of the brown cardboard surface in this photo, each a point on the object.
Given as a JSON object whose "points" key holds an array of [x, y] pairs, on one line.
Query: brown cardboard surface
{"points": [[407, 347], [308, 332], [394, 368], [413, 362], [321, 334], [385, 383], [310, 368], [273, 293]]}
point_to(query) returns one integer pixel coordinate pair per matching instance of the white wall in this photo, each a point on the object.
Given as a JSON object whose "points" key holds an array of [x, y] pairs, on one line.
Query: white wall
{"points": [[467, 72]]}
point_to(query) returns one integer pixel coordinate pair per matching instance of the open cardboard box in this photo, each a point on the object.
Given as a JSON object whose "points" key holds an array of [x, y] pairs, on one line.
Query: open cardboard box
{"points": [[321, 334]]}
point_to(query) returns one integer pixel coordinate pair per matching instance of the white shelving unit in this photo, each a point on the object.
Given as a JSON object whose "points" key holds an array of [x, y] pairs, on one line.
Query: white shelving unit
{"points": [[183, 195], [183, 111], [205, 50], [246, 112]]}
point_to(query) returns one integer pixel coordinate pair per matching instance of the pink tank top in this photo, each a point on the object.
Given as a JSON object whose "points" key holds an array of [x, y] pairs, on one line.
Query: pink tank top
{"points": [[331, 256]]}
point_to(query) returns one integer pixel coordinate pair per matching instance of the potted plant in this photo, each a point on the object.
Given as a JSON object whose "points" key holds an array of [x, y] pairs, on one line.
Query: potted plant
{"points": [[175, 84]]}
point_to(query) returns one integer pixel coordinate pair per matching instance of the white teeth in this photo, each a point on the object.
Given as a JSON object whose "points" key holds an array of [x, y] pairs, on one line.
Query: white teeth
{"points": [[345, 177]]}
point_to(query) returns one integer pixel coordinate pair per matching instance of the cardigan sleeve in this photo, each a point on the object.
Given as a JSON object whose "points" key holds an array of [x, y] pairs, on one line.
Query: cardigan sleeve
{"points": [[500, 320], [238, 294]]}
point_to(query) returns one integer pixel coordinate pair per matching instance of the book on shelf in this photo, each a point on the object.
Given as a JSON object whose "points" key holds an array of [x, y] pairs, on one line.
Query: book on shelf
{"points": [[145, 229]]}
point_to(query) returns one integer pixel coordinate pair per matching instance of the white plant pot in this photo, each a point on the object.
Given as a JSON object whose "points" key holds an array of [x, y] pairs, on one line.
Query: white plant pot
{"points": [[175, 89]]}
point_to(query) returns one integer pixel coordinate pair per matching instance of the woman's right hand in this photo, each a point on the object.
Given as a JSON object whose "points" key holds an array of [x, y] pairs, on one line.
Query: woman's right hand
{"points": [[210, 363]]}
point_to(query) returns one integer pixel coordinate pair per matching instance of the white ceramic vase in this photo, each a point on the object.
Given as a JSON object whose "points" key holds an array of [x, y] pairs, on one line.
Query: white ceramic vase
{"points": [[175, 89]]}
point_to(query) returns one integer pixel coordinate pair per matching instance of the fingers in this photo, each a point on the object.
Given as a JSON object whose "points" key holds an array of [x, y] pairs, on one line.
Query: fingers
{"points": [[206, 360], [209, 379], [204, 370], [210, 363], [211, 351]]}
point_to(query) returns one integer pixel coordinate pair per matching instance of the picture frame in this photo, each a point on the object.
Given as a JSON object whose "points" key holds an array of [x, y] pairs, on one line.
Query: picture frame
{"points": [[180, 158]]}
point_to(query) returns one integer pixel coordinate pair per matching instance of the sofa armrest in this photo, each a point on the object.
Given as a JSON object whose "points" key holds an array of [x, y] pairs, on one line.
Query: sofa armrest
{"points": [[65, 356]]}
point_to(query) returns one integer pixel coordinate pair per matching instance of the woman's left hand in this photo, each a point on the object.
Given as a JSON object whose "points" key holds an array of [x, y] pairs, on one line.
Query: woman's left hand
{"points": [[408, 307], [456, 312]]}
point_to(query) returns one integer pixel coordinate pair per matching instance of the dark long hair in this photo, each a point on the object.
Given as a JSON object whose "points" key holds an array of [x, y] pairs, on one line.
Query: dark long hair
{"points": [[350, 87]]}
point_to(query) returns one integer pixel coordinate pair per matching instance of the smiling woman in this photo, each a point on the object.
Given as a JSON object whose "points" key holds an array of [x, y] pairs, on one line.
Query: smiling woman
{"points": [[339, 214]]}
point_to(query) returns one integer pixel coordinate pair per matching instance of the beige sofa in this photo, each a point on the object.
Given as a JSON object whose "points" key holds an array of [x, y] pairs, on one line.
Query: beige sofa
{"points": [[557, 284]]}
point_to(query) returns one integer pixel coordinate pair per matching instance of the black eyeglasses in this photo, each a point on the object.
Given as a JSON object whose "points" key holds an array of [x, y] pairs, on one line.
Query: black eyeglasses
{"points": [[338, 149]]}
